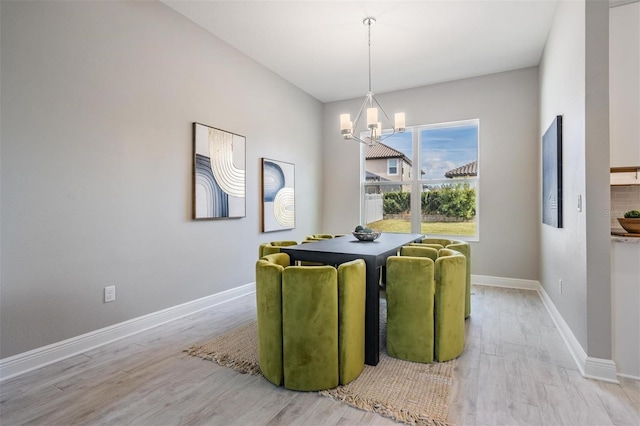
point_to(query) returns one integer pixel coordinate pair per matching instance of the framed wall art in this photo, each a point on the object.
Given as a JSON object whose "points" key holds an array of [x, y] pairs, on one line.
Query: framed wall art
{"points": [[219, 182], [552, 174], [278, 195]]}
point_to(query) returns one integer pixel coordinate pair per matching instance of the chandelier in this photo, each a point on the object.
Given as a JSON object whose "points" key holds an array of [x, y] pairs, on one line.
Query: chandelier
{"points": [[371, 106]]}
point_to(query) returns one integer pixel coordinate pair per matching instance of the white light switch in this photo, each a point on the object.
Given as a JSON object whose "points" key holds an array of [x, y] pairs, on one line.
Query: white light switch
{"points": [[579, 203]]}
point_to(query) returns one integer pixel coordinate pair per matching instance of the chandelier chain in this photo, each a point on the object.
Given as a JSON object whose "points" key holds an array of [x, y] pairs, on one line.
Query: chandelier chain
{"points": [[369, 25], [372, 107]]}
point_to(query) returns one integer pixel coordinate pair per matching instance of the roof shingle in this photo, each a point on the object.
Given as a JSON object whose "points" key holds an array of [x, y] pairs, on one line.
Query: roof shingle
{"points": [[470, 169], [381, 150]]}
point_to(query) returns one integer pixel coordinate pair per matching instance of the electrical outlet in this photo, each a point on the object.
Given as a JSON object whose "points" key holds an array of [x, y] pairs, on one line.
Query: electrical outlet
{"points": [[560, 285], [110, 294]]}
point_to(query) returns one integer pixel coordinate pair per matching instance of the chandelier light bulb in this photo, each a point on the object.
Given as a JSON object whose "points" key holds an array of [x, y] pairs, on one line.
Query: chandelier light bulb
{"points": [[400, 121], [372, 117], [345, 123]]}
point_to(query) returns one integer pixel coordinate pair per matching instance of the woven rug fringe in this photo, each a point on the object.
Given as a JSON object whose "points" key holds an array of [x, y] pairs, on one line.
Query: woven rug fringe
{"points": [[413, 394], [225, 360], [385, 410]]}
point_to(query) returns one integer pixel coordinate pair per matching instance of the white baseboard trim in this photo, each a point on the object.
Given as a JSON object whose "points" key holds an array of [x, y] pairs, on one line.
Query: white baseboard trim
{"points": [[629, 376], [505, 282], [591, 368], [600, 369], [40, 357]]}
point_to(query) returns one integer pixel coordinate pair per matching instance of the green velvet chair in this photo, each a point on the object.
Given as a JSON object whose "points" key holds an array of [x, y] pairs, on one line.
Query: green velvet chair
{"points": [[435, 246], [273, 247], [449, 304], [261, 249], [426, 304], [315, 237], [351, 315], [310, 322], [464, 248], [441, 241], [410, 308], [419, 251], [269, 315], [310, 327]]}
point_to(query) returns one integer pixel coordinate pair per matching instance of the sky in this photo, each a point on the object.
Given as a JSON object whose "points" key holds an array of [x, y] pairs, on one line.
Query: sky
{"points": [[441, 149]]}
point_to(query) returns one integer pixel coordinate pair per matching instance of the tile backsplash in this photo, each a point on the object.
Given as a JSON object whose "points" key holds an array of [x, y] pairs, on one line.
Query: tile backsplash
{"points": [[623, 199]]}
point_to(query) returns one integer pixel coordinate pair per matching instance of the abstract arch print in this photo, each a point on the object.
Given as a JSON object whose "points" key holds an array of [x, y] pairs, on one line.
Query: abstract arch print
{"points": [[219, 173], [278, 195]]}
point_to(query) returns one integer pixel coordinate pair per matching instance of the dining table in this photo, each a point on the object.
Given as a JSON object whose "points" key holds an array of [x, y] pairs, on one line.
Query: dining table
{"points": [[335, 251]]}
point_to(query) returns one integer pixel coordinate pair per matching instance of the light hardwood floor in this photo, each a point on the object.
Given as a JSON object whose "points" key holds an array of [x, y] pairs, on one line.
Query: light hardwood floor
{"points": [[515, 370]]}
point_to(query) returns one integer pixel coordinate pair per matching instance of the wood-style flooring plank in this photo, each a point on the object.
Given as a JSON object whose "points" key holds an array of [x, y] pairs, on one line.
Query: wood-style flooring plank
{"points": [[515, 370], [631, 389]]}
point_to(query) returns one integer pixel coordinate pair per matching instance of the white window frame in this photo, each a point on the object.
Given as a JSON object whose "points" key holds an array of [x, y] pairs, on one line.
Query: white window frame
{"points": [[417, 183], [389, 160]]}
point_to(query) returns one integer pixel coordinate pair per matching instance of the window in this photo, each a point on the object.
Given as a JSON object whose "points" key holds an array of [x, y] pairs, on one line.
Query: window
{"points": [[392, 166], [436, 193]]}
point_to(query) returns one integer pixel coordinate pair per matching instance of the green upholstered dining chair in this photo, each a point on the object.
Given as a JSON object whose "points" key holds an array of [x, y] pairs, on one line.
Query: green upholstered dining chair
{"points": [[419, 251], [310, 322], [315, 237], [441, 241], [449, 304], [269, 315], [310, 327], [273, 247], [261, 249], [410, 308], [425, 305], [464, 248], [435, 246], [351, 314]]}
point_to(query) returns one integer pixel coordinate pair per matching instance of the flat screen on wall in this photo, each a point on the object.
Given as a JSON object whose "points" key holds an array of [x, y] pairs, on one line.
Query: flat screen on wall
{"points": [[552, 174]]}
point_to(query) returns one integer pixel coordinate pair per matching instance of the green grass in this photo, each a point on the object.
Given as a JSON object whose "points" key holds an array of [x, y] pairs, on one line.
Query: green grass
{"points": [[444, 228]]}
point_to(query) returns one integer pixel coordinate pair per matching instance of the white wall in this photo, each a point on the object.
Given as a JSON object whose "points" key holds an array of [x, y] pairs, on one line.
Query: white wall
{"points": [[507, 106], [624, 84], [98, 100], [574, 84]]}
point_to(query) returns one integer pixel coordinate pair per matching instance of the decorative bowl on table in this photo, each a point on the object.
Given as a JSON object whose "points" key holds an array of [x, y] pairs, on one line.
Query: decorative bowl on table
{"points": [[631, 225], [366, 236]]}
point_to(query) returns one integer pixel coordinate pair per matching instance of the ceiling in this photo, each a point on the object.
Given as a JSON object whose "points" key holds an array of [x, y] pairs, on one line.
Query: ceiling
{"points": [[321, 46]]}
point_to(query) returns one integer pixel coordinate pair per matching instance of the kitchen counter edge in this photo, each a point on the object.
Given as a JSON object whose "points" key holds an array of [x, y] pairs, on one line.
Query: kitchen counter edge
{"points": [[622, 239]]}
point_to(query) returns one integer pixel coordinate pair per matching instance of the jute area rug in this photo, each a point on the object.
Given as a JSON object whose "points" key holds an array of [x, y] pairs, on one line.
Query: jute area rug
{"points": [[408, 392]]}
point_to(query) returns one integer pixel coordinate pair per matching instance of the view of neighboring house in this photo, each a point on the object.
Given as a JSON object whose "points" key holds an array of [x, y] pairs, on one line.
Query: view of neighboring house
{"points": [[382, 164], [467, 170]]}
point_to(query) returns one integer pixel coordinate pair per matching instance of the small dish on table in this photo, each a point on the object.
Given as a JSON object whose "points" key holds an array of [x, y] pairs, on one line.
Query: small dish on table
{"points": [[366, 236]]}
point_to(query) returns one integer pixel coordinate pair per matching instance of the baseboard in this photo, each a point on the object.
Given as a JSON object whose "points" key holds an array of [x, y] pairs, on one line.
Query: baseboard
{"points": [[40, 357], [505, 282], [591, 368], [600, 369], [629, 376]]}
